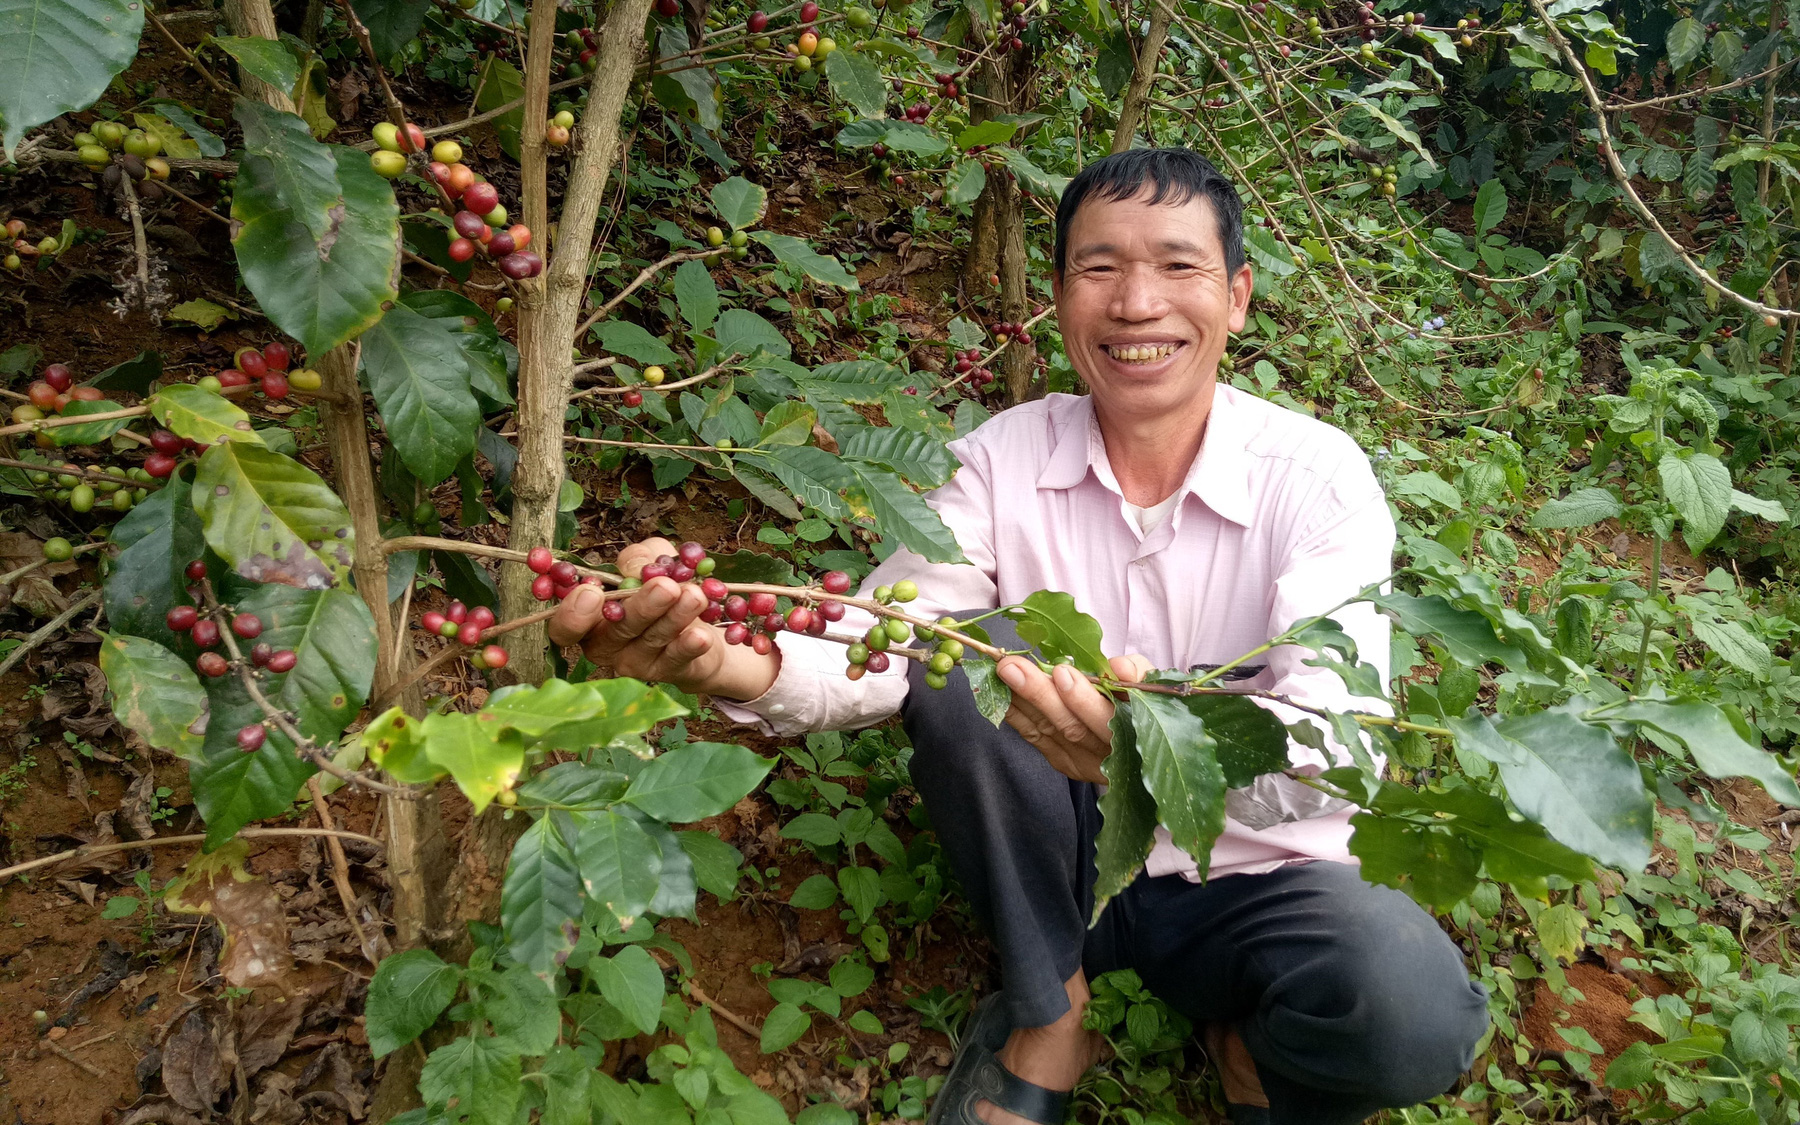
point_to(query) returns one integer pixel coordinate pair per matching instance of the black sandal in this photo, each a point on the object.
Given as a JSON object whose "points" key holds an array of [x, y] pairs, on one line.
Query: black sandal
{"points": [[976, 1076]]}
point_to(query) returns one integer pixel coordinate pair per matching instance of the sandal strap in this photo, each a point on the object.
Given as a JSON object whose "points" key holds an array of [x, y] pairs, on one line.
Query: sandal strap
{"points": [[1008, 1091]]}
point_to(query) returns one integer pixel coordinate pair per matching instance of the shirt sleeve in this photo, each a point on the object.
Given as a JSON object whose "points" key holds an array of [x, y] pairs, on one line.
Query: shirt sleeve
{"points": [[810, 692]]}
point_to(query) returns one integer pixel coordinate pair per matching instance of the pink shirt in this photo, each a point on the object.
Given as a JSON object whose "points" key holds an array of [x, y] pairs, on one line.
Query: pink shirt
{"points": [[1280, 518]]}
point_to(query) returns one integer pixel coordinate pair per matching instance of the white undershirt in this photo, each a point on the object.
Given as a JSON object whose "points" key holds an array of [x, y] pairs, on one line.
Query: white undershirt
{"points": [[1149, 519]]}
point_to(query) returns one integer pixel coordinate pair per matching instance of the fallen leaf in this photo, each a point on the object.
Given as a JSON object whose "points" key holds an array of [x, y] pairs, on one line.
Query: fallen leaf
{"points": [[247, 908], [34, 592], [193, 1066]]}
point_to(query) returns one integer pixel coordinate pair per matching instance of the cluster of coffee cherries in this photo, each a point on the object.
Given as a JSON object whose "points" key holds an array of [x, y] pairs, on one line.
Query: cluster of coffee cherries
{"points": [[1014, 330], [754, 620], [137, 149], [265, 368], [556, 578], [458, 622], [1385, 178], [70, 484], [585, 42], [206, 635], [482, 220], [15, 231], [1016, 24], [52, 392], [969, 363]]}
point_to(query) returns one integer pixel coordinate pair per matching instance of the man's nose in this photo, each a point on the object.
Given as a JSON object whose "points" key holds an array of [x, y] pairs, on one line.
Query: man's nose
{"points": [[1138, 297]]}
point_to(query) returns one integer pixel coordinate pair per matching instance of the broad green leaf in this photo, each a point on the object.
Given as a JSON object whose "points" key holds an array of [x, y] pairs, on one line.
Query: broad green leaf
{"points": [[489, 358], [232, 788], [272, 518], [1685, 41], [695, 781], [318, 240], [1699, 486], [1425, 485], [1249, 740], [864, 381], [1049, 620], [420, 375], [1581, 508], [816, 892], [621, 867], [992, 697], [1722, 746], [717, 865], [475, 1078], [813, 476], [965, 182], [697, 295], [197, 414], [908, 136], [136, 375], [920, 458], [1512, 850], [58, 56], [540, 902], [1465, 634], [93, 433], [1127, 816], [332, 635], [688, 89], [795, 252], [739, 202], [986, 133], [851, 976], [392, 24], [1571, 777], [1490, 206], [1180, 771], [267, 59], [204, 141], [788, 423], [1734, 644], [1560, 930], [857, 80], [565, 1077], [902, 514], [631, 981], [632, 341], [813, 828], [154, 693], [1770, 510], [158, 539], [1434, 867], [577, 717], [392, 741], [861, 888], [1267, 253], [501, 83], [1399, 129], [480, 753], [521, 1012], [742, 332], [409, 992], [784, 1024]]}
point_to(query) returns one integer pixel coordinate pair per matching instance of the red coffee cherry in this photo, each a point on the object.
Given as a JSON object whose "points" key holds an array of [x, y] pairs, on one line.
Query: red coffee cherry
{"points": [[481, 616], [877, 662], [206, 632], [59, 376], [165, 441], [282, 661], [181, 618], [713, 589], [251, 738], [260, 653], [540, 560], [494, 656], [469, 634], [247, 625], [682, 572], [613, 610], [212, 664], [774, 623], [542, 587], [457, 612], [761, 645], [432, 621], [800, 619], [761, 605], [160, 465], [737, 633], [712, 613], [690, 553], [196, 570], [736, 607], [563, 573], [815, 627], [276, 355], [836, 582], [831, 611]]}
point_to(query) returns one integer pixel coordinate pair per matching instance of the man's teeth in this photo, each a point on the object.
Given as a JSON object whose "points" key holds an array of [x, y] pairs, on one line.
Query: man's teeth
{"points": [[1141, 353]]}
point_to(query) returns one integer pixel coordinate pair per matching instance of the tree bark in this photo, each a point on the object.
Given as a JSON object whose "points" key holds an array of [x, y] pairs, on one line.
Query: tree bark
{"points": [[549, 310], [1137, 94], [256, 17]]}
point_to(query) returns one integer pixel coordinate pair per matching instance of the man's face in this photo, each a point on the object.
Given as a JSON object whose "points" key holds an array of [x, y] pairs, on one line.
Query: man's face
{"points": [[1146, 303]]}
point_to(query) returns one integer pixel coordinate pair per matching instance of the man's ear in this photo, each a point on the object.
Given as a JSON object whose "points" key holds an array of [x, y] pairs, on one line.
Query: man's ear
{"points": [[1242, 283], [1056, 287]]}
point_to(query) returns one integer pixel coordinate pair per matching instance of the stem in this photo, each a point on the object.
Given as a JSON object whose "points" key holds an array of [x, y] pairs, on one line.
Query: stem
{"points": [[1764, 167], [1131, 110], [73, 471], [643, 276], [12, 576], [1643, 656], [187, 54], [87, 851], [47, 631]]}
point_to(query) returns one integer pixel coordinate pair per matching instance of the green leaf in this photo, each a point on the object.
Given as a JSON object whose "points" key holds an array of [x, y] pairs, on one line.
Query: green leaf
{"points": [[742, 332], [1734, 644], [1699, 486], [540, 902], [1465, 634], [1425, 485], [475, 1078], [965, 182], [861, 888], [986, 133], [812, 475], [1434, 867], [795, 252], [420, 375], [1267, 253], [1770, 510], [1032, 178], [1049, 620], [784, 1024], [135, 375], [907, 136], [1250, 740], [992, 697], [232, 788], [392, 24], [1127, 816], [857, 81], [851, 976], [920, 458], [197, 414], [631, 981], [481, 754], [267, 59], [1581, 508], [154, 693], [1571, 777], [717, 865], [577, 717], [263, 512], [695, 781], [739, 202], [900, 513], [1180, 770], [812, 828], [120, 906], [501, 83], [201, 312], [158, 538], [787, 423], [621, 867], [1685, 41], [1559, 930], [566, 1099], [409, 992], [868, 1023], [697, 295], [332, 635], [1490, 206], [58, 56], [632, 341], [1722, 745], [318, 241], [817, 892]]}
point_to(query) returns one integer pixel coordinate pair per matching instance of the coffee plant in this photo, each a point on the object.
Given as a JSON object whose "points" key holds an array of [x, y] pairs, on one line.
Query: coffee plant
{"points": [[1536, 258]]}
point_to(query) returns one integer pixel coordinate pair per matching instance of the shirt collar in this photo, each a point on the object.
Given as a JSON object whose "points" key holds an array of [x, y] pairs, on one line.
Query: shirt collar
{"points": [[1220, 475]]}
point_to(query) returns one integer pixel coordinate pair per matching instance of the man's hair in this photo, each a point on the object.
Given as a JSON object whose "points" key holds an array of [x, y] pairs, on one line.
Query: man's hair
{"points": [[1172, 176]]}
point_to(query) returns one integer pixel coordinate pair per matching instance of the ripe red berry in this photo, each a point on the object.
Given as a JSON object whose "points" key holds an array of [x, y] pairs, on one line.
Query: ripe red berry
{"points": [[657, 569], [542, 587], [691, 553], [282, 661], [613, 610], [159, 465], [260, 653], [562, 573], [212, 664], [250, 361], [800, 619], [761, 605], [431, 621], [166, 441], [562, 591], [713, 589], [276, 355], [196, 570], [632, 398], [682, 572], [494, 656], [500, 244], [809, 12], [668, 9], [877, 662], [482, 616], [275, 385], [460, 250], [831, 611], [457, 612], [540, 560], [469, 224], [761, 645], [469, 634], [481, 198], [206, 632], [835, 582], [737, 633], [736, 608], [712, 613], [181, 618], [232, 377], [247, 625], [59, 376], [250, 739], [774, 623], [516, 266], [757, 22], [815, 627]]}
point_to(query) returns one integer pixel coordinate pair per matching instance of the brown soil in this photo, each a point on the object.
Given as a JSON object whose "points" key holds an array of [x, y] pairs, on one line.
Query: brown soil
{"points": [[1604, 1012]]}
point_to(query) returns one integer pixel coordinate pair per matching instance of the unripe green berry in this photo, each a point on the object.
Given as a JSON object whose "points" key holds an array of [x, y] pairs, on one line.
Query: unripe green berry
{"points": [[934, 680], [858, 653], [706, 567], [905, 590], [884, 594], [898, 631], [941, 664], [876, 639], [633, 583], [950, 648]]}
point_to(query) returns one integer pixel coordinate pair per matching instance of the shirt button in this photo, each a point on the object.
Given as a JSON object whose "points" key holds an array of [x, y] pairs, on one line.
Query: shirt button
{"points": [[777, 708]]}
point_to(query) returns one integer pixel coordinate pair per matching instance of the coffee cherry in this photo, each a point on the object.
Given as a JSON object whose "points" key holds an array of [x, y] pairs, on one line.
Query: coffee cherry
{"points": [[713, 589], [206, 632], [858, 653], [232, 377], [282, 660], [250, 361], [950, 648], [469, 633], [446, 152], [690, 553], [905, 590], [460, 250], [562, 572], [761, 645], [884, 594], [613, 610], [59, 376], [706, 566], [482, 617], [247, 625], [196, 570], [500, 244], [800, 619], [936, 680], [736, 607], [260, 653], [212, 664], [681, 572], [494, 657], [42, 395], [877, 662], [480, 199], [941, 664], [432, 621], [876, 638], [159, 465], [836, 582], [898, 631], [831, 611], [761, 605], [250, 739], [654, 375], [757, 22], [809, 12], [275, 385], [658, 568], [737, 633], [542, 587], [276, 355], [305, 380], [165, 441], [457, 612], [539, 560], [448, 629], [774, 623], [632, 398], [181, 618]]}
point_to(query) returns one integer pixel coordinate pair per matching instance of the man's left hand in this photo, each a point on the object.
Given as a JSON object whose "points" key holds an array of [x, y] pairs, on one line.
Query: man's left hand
{"points": [[1064, 715]]}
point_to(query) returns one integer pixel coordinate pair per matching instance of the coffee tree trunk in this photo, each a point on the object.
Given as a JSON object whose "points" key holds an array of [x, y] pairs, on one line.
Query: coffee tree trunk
{"points": [[1137, 94], [998, 243]]}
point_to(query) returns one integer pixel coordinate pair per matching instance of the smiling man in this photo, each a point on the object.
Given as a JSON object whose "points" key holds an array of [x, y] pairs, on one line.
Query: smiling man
{"points": [[1194, 522]]}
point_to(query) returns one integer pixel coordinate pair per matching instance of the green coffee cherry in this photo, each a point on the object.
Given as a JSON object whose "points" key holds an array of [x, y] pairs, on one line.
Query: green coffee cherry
{"points": [[876, 639], [706, 567], [950, 648], [81, 498], [933, 680], [632, 583], [898, 631], [905, 590], [858, 653], [884, 594], [941, 664]]}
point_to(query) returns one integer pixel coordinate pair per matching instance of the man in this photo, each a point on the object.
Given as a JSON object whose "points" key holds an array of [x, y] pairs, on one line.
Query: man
{"points": [[1195, 522]]}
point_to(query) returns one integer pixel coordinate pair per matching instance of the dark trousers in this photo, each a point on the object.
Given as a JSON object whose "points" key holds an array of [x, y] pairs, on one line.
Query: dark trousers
{"points": [[1348, 995]]}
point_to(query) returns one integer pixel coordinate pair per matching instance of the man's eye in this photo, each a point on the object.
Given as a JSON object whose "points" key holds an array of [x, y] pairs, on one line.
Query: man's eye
{"points": [[1180, 266]]}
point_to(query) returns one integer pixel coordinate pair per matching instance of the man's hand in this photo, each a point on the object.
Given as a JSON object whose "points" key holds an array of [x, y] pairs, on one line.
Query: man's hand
{"points": [[661, 638], [1063, 715]]}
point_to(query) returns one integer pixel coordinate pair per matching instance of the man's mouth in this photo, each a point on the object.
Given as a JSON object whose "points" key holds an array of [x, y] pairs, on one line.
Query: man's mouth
{"points": [[1141, 353]]}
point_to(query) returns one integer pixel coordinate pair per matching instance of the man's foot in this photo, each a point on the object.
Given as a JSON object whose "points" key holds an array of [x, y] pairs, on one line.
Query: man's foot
{"points": [[1054, 1057], [1237, 1070]]}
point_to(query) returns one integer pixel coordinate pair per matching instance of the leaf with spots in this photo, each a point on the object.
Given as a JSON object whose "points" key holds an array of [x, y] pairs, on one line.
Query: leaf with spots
{"points": [[333, 638], [620, 864], [195, 413], [480, 753], [272, 518], [155, 693]]}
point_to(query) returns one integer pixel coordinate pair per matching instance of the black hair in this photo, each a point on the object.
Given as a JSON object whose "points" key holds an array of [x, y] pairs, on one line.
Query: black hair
{"points": [[1173, 176]]}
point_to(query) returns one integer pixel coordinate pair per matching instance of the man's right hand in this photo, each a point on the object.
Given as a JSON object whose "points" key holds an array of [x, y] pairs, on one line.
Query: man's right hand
{"points": [[661, 638]]}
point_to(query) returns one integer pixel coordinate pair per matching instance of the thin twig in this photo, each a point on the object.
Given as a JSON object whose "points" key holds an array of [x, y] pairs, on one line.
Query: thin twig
{"points": [[137, 235], [47, 631], [64, 1054], [187, 54], [340, 869], [643, 276], [87, 851], [73, 470], [12, 576]]}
